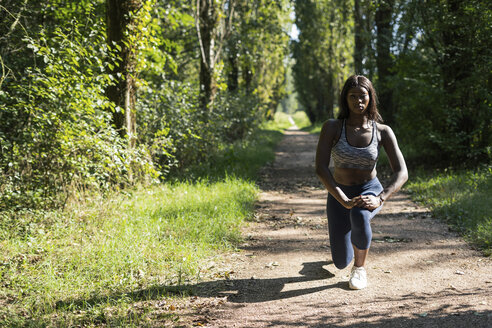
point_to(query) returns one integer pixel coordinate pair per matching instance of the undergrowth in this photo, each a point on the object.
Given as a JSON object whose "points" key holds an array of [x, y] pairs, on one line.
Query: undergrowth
{"points": [[95, 262], [459, 197]]}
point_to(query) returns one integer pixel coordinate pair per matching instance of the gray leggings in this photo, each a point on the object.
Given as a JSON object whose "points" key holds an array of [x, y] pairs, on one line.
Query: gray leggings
{"points": [[347, 227]]}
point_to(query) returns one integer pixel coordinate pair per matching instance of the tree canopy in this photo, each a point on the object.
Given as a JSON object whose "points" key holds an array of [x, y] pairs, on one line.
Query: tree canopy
{"points": [[96, 95], [102, 94], [430, 60]]}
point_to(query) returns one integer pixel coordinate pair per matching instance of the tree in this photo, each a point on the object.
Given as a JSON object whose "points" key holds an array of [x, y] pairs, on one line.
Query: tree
{"points": [[444, 67], [322, 54], [254, 62], [384, 61], [122, 18], [213, 26]]}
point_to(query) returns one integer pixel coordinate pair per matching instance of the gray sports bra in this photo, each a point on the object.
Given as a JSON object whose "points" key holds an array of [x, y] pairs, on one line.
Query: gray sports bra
{"points": [[347, 156]]}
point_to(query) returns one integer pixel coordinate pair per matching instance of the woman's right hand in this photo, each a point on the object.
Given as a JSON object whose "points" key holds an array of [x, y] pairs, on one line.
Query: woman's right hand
{"points": [[352, 202]]}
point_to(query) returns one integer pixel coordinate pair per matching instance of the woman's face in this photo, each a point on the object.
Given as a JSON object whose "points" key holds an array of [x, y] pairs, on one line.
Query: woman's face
{"points": [[358, 100]]}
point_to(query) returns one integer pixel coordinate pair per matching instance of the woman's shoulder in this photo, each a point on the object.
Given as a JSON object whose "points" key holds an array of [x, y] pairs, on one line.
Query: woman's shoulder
{"points": [[332, 123], [385, 131], [331, 127], [383, 128]]}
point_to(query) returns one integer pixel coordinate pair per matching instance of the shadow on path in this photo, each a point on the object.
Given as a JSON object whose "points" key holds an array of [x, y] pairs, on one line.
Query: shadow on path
{"points": [[263, 290], [237, 291]]}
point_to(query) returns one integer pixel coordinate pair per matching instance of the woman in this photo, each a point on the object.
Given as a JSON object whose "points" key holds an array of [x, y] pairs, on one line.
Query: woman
{"points": [[355, 194]]}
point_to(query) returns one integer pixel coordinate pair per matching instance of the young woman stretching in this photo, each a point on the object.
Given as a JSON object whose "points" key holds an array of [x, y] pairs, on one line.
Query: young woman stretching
{"points": [[355, 194]]}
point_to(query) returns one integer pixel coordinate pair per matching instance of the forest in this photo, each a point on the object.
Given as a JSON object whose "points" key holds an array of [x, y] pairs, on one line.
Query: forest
{"points": [[98, 95], [105, 97]]}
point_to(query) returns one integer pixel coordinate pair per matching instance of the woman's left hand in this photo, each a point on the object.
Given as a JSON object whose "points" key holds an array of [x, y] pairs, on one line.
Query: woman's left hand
{"points": [[370, 202]]}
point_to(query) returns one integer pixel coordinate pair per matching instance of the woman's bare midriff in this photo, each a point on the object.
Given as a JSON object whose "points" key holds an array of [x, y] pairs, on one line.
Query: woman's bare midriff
{"points": [[350, 177]]}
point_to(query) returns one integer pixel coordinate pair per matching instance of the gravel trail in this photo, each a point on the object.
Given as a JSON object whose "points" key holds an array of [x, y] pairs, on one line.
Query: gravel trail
{"points": [[420, 274]]}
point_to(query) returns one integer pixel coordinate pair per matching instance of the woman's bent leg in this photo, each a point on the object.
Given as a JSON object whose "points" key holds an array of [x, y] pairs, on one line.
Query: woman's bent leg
{"points": [[360, 219], [339, 231]]}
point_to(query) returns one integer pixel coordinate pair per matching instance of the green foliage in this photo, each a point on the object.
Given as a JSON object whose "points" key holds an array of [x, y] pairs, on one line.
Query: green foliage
{"points": [[322, 54], [282, 120], [56, 136], [176, 129], [93, 263], [180, 135], [241, 158], [434, 84], [301, 119], [444, 77], [460, 198], [289, 103], [256, 52]]}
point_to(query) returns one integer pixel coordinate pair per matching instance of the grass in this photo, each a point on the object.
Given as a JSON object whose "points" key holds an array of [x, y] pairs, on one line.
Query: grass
{"points": [[242, 158], [299, 117], [281, 120], [305, 125], [461, 198], [155, 236], [96, 262]]}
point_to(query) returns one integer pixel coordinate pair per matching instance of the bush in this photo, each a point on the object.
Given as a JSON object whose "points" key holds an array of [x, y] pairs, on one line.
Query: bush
{"points": [[56, 133]]}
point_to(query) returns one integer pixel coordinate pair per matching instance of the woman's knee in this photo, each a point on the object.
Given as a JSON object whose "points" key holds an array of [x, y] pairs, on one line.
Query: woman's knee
{"points": [[361, 227], [341, 250], [359, 216], [341, 263]]}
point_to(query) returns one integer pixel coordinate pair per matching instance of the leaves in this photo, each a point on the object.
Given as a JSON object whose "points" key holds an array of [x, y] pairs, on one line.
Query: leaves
{"points": [[438, 71], [323, 55], [57, 125]]}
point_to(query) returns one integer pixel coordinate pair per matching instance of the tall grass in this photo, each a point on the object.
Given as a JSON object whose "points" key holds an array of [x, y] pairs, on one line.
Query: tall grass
{"points": [[461, 198], [242, 158], [89, 264]]}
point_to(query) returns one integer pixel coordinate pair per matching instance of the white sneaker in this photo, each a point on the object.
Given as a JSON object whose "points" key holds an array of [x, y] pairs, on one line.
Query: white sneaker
{"points": [[358, 278]]}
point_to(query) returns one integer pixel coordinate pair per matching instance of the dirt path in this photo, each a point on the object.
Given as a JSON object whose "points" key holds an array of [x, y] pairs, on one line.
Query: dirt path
{"points": [[420, 274]]}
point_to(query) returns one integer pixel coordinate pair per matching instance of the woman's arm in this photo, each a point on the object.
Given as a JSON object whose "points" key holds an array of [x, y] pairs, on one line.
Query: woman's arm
{"points": [[323, 155], [397, 163]]}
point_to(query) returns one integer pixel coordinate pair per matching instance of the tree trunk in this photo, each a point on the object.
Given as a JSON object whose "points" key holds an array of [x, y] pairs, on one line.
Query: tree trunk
{"points": [[328, 99], [120, 15], [331, 98], [310, 114], [207, 23], [359, 41], [233, 75], [383, 59], [232, 50]]}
